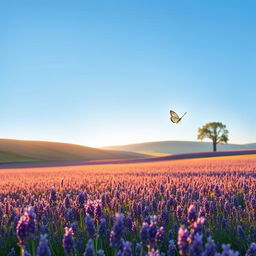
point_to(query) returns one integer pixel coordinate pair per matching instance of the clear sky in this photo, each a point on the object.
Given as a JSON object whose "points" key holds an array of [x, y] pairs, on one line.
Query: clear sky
{"points": [[107, 72]]}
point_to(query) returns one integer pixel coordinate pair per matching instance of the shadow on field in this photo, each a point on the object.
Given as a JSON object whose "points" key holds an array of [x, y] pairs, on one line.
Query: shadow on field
{"points": [[125, 161]]}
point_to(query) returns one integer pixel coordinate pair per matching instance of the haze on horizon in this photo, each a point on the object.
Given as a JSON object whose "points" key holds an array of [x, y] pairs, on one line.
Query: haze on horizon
{"points": [[103, 73]]}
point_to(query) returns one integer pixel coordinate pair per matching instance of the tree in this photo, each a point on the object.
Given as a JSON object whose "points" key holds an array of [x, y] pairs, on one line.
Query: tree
{"points": [[215, 131]]}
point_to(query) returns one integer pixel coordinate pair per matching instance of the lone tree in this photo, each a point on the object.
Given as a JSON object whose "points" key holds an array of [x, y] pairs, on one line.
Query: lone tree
{"points": [[215, 131]]}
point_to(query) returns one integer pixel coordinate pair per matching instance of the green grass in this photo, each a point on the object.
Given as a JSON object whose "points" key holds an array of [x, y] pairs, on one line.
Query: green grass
{"points": [[6, 157]]}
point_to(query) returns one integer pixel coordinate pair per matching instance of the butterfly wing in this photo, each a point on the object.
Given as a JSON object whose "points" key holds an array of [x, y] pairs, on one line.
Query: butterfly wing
{"points": [[174, 117]]}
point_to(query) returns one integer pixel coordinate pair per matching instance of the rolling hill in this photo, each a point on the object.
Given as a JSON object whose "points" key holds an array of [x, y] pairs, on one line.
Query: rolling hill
{"points": [[23, 151], [178, 147]]}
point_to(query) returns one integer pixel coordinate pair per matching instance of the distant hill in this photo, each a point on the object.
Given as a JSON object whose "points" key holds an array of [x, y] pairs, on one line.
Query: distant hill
{"points": [[178, 147], [22, 151]]}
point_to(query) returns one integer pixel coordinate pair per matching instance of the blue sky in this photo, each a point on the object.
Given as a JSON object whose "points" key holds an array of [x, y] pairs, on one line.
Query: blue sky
{"points": [[107, 72]]}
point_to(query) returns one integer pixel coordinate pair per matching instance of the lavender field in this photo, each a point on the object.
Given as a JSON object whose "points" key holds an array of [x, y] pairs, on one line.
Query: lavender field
{"points": [[185, 207]]}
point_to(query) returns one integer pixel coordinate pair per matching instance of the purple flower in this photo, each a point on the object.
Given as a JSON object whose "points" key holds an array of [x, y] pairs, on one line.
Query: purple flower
{"points": [[80, 200], [165, 217], [26, 226], [179, 212], [201, 212], [252, 250], [43, 248], [252, 233], [89, 250], [97, 209], [183, 244], [12, 252], [22, 229], [90, 227], [128, 223], [241, 233], [197, 226], [144, 233], [153, 252], [224, 223], [227, 251], [100, 253], [152, 231], [170, 234], [197, 245], [171, 248], [118, 231], [125, 249], [138, 249], [210, 247], [160, 235], [89, 208], [207, 207], [68, 240], [26, 253], [192, 216], [74, 226], [66, 202], [53, 196], [103, 229]]}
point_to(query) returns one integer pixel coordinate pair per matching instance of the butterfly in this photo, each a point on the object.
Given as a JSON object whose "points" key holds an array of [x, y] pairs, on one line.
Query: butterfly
{"points": [[175, 118]]}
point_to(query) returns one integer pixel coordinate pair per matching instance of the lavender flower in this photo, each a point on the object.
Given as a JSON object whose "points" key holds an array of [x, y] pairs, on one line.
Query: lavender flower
{"points": [[138, 249], [43, 248], [192, 216], [66, 202], [152, 231], [89, 208], [171, 248], [118, 231], [197, 245], [26, 253], [90, 227], [160, 235], [241, 233], [197, 226], [252, 233], [153, 252], [89, 251], [179, 212], [74, 226], [26, 226], [183, 244], [97, 209], [252, 250], [100, 253], [126, 249], [53, 196], [80, 200], [144, 233], [68, 241], [128, 223], [227, 251], [12, 252], [210, 247], [103, 229], [22, 229]]}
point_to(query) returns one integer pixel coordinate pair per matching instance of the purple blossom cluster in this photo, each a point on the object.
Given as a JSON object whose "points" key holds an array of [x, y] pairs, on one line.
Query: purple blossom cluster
{"points": [[193, 208]]}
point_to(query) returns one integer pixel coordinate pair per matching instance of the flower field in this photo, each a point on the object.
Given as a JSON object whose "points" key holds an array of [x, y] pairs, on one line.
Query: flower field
{"points": [[186, 207]]}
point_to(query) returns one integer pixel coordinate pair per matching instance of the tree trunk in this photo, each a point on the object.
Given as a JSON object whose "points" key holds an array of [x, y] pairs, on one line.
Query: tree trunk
{"points": [[214, 144]]}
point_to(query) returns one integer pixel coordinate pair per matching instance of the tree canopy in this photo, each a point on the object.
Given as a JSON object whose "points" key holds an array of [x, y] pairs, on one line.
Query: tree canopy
{"points": [[216, 131]]}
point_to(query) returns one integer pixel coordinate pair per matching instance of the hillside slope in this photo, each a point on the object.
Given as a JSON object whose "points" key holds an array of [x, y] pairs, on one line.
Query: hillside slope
{"points": [[178, 147], [22, 150]]}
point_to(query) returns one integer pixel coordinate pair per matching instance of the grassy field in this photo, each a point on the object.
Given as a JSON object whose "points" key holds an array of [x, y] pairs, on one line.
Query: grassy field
{"points": [[6, 157], [23, 150]]}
